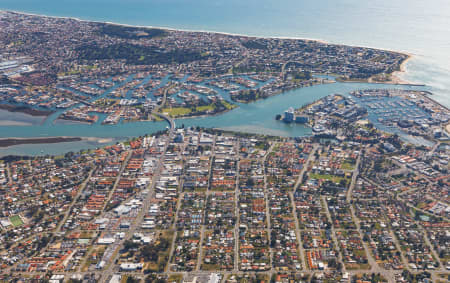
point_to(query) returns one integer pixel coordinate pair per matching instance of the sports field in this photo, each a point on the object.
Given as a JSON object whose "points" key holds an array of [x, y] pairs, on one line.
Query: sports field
{"points": [[16, 220]]}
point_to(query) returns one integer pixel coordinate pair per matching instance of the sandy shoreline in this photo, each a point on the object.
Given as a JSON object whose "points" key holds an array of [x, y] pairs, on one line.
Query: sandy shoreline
{"points": [[208, 31], [395, 76], [395, 79], [173, 29]]}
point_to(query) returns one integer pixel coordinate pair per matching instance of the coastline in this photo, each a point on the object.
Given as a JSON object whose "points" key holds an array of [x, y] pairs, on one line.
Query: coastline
{"points": [[395, 76], [207, 31], [402, 66]]}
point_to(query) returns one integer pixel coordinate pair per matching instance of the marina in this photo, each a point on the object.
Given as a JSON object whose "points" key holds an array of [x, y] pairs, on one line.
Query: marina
{"points": [[256, 117]]}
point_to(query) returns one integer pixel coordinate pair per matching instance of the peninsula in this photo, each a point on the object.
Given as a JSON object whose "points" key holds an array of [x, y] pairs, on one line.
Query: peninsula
{"points": [[364, 198], [88, 70]]}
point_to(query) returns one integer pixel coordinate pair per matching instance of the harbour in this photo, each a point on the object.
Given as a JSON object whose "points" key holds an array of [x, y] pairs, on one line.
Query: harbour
{"points": [[255, 117]]}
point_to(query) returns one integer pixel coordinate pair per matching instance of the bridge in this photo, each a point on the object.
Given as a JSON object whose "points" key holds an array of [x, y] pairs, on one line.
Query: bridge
{"points": [[168, 119], [162, 115]]}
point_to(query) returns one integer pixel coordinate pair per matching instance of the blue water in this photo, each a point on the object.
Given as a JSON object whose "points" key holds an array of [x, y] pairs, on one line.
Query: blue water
{"points": [[257, 117], [415, 26], [419, 27], [19, 119]]}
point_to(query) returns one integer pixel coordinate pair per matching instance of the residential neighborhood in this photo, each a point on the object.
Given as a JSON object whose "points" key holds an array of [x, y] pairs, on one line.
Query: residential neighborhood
{"points": [[200, 201], [363, 198]]}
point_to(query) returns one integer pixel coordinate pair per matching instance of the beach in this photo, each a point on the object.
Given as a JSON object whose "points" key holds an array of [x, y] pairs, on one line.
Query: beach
{"points": [[413, 27]]}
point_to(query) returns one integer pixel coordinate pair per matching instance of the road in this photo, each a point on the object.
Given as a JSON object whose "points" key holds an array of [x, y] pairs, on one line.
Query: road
{"points": [[311, 158], [145, 205], [236, 225], [116, 183], [333, 232], [375, 268], [75, 199], [354, 177], [202, 226], [8, 173], [266, 200]]}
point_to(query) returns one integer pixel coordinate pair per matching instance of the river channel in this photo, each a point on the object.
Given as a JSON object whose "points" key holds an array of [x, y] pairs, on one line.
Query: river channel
{"points": [[257, 117]]}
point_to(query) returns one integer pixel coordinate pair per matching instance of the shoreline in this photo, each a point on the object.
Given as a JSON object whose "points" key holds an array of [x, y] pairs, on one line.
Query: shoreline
{"points": [[7, 142], [201, 116], [13, 141], [208, 31], [395, 76], [26, 110], [395, 79]]}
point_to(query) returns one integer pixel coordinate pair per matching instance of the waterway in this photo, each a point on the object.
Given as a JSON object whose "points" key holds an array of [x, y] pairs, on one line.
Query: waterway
{"points": [[256, 117], [19, 119], [419, 27]]}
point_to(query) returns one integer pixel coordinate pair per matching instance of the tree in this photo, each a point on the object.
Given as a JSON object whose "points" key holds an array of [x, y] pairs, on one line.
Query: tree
{"points": [[131, 279], [128, 245]]}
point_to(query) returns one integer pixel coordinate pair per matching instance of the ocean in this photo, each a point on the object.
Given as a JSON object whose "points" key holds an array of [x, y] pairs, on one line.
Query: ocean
{"points": [[421, 28]]}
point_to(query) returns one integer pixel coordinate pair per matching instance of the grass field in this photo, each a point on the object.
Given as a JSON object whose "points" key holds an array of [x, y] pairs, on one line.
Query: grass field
{"points": [[228, 105], [181, 111], [205, 108], [16, 220], [177, 111]]}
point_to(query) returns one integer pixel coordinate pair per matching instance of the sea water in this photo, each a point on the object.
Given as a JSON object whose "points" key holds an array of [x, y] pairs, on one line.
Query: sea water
{"points": [[421, 28]]}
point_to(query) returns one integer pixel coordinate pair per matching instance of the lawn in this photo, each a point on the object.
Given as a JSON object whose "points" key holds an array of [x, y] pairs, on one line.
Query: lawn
{"points": [[177, 111], [228, 105], [89, 260], [163, 255], [210, 267], [182, 111], [209, 107], [16, 220]]}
